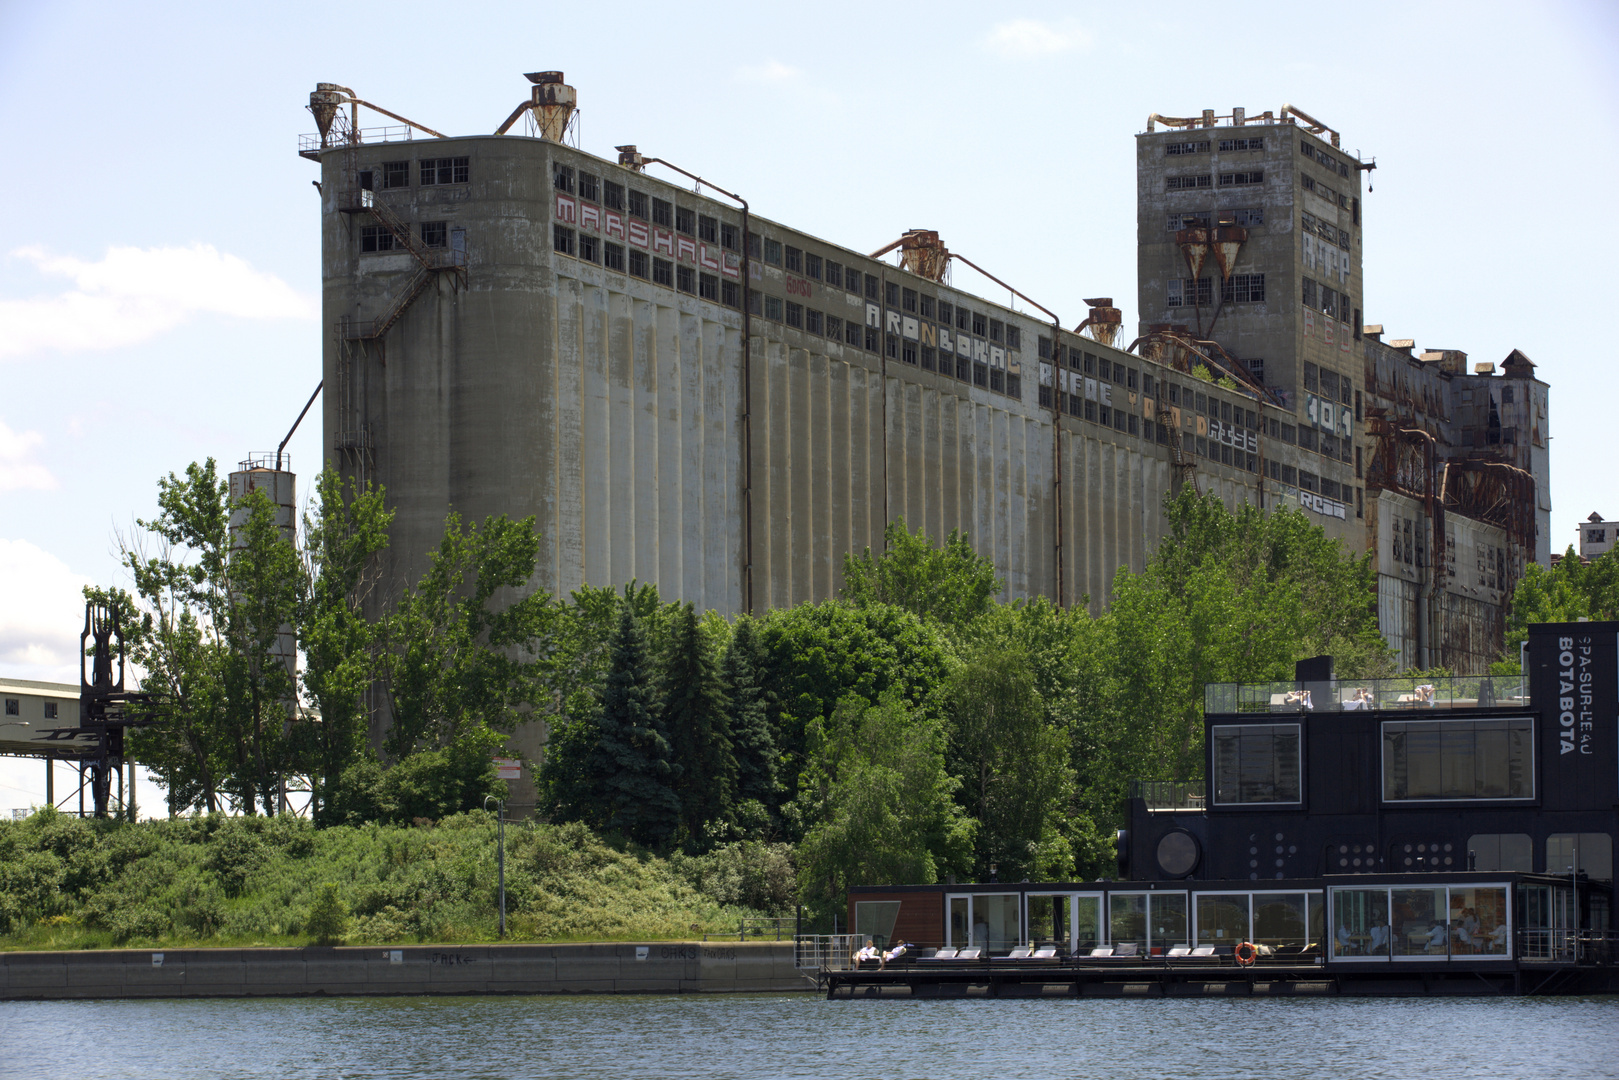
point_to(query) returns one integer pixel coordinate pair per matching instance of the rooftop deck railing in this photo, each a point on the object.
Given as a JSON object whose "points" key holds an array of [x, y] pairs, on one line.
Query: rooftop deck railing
{"points": [[1350, 695], [311, 145]]}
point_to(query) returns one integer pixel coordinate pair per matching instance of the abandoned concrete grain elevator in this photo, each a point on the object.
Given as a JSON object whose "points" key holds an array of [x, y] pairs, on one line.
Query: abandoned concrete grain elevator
{"points": [[685, 392]]}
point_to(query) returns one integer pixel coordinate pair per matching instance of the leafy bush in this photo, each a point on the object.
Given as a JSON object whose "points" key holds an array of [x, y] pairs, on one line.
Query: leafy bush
{"points": [[747, 874], [328, 916]]}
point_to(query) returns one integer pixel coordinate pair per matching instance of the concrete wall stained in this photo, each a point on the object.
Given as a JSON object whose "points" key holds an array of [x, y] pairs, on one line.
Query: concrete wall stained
{"points": [[611, 409]]}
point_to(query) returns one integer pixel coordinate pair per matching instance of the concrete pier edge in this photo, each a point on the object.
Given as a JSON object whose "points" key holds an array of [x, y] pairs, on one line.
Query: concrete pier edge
{"points": [[654, 967]]}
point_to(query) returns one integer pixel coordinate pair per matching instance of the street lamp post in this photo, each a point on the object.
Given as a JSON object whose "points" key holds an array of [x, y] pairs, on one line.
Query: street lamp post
{"points": [[500, 848]]}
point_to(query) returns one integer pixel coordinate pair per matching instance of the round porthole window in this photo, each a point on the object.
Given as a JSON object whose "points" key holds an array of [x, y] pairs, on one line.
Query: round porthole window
{"points": [[1178, 853]]}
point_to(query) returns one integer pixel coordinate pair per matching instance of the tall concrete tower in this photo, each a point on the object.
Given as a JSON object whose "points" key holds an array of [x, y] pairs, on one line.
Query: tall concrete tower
{"points": [[1250, 237]]}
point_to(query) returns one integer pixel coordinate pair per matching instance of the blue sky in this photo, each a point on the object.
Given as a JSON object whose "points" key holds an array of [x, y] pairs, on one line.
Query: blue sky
{"points": [[159, 263]]}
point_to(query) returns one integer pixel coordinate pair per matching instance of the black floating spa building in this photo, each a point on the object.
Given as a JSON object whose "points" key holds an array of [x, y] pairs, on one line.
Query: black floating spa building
{"points": [[1406, 826]]}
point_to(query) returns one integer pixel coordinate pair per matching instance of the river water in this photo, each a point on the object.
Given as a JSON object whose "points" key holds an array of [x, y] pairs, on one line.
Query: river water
{"points": [[736, 1036]]}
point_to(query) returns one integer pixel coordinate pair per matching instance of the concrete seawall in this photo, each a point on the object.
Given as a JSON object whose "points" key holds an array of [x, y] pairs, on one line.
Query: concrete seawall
{"points": [[627, 968]]}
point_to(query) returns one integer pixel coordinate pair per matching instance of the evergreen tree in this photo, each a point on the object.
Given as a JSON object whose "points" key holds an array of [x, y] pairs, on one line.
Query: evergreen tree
{"points": [[753, 732], [696, 717], [632, 777]]}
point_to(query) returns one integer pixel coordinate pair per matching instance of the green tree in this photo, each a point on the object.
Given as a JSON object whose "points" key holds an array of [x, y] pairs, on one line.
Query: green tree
{"points": [[1567, 591], [697, 718], [819, 654], [341, 646], [585, 628], [328, 916], [630, 778], [217, 590], [950, 585], [1011, 758], [753, 727], [466, 661], [881, 801], [1228, 597]]}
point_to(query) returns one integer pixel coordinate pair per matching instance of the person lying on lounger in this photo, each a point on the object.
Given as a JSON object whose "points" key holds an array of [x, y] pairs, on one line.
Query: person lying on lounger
{"points": [[870, 952], [899, 950]]}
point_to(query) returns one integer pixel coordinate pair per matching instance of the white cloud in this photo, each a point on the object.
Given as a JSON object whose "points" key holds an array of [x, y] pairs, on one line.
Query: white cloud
{"points": [[135, 294], [1029, 37], [18, 470], [42, 614], [772, 72]]}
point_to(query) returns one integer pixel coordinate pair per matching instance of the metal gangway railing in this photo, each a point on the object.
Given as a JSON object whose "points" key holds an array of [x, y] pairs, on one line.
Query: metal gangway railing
{"points": [[819, 954]]}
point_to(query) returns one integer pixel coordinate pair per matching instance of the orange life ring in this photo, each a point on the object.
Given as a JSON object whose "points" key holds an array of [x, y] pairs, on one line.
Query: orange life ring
{"points": [[1246, 953]]}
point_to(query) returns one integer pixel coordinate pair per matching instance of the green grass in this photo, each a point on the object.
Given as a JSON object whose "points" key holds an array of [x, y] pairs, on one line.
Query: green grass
{"points": [[67, 883]]}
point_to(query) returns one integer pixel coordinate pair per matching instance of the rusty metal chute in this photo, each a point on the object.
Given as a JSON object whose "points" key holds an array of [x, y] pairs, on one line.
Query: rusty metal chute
{"points": [[1225, 242], [326, 102], [1103, 321], [1194, 247], [921, 252], [924, 254], [552, 102]]}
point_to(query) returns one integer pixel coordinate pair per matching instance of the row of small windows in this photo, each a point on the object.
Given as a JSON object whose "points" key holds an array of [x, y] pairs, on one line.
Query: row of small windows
{"points": [[893, 346], [396, 174], [378, 238], [1092, 364], [892, 293], [1121, 420], [1332, 195], [1321, 156], [1246, 216], [1201, 146], [616, 257], [589, 248], [1236, 289], [1232, 432], [639, 204], [1327, 230], [1324, 486], [1197, 181]]}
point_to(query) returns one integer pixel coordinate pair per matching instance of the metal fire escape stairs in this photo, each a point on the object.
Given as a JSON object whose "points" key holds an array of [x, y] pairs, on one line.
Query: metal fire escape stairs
{"points": [[430, 262], [356, 338], [1184, 464]]}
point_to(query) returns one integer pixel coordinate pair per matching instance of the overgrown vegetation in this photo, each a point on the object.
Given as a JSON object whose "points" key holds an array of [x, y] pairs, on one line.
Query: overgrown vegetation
{"points": [[914, 727], [215, 880]]}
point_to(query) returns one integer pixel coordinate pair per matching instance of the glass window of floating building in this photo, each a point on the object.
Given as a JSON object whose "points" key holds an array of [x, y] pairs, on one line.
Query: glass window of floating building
{"points": [[1070, 922], [1292, 919], [1421, 921], [990, 920], [1154, 922]]}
